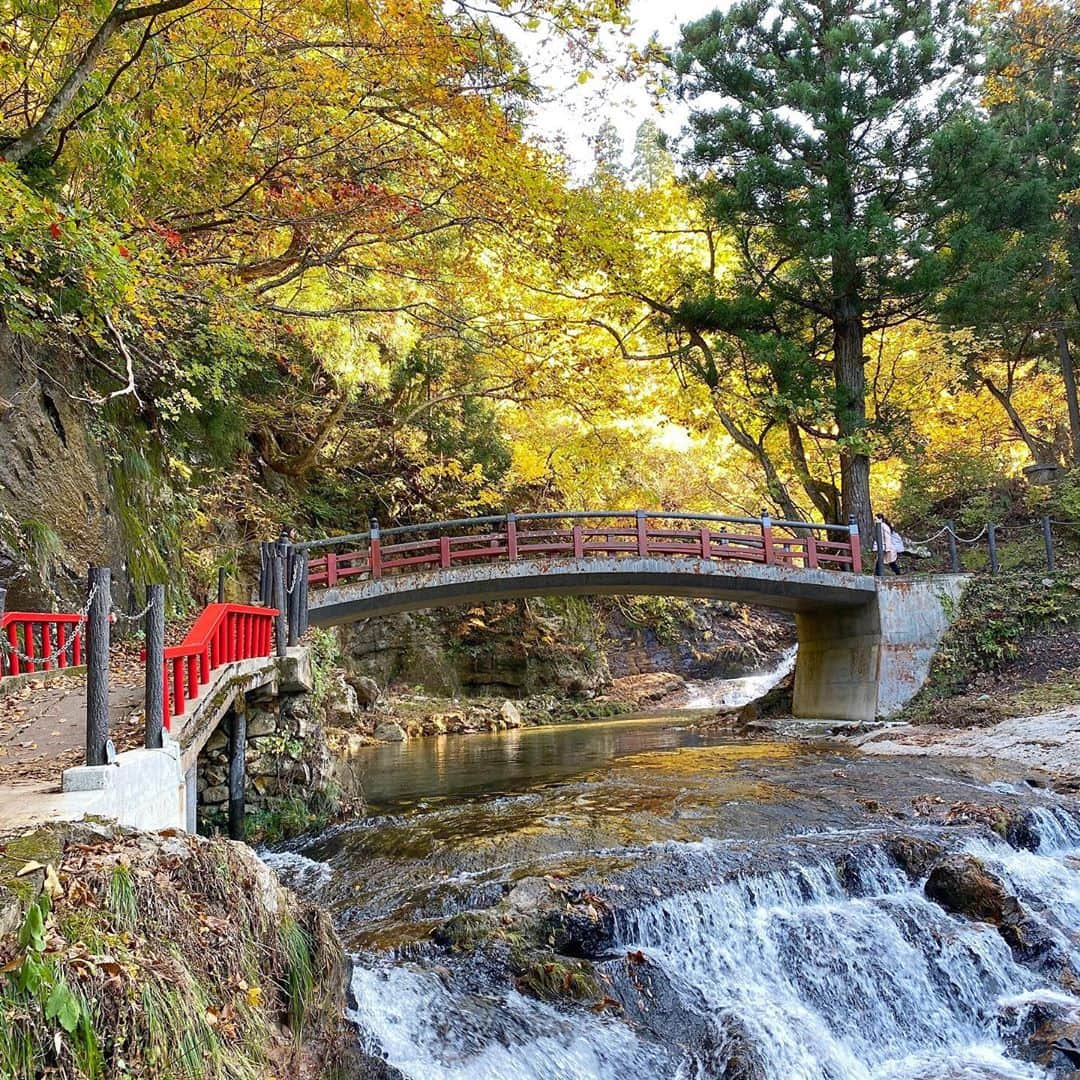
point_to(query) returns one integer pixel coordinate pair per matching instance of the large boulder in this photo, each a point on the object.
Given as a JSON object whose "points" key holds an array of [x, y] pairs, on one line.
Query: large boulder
{"points": [[366, 689], [390, 731], [509, 714], [341, 702]]}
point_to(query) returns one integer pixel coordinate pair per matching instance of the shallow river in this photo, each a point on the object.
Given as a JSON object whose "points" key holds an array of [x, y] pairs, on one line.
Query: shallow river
{"points": [[753, 920]]}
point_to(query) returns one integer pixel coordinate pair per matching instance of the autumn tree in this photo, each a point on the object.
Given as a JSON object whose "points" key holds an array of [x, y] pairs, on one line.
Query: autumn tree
{"points": [[1010, 177], [815, 159]]}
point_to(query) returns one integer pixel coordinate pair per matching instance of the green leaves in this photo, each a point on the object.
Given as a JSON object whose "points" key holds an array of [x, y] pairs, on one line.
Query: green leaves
{"points": [[63, 1006]]}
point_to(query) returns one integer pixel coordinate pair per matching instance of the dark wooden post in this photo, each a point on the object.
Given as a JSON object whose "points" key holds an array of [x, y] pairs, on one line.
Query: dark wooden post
{"points": [[879, 549], [221, 585], [1048, 540], [281, 631], [856, 544], [292, 564], [305, 613], [5, 662], [954, 554], [154, 699], [97, 665], [991, 541], [237, 747], [642, 533], [266, 574]]}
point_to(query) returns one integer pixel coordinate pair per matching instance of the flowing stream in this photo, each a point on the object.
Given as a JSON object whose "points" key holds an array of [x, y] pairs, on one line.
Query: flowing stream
{"points": [[754, 916]]}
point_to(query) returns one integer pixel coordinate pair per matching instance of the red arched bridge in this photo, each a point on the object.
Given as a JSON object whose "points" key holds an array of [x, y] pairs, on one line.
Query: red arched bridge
{"points": [[846, 650]]}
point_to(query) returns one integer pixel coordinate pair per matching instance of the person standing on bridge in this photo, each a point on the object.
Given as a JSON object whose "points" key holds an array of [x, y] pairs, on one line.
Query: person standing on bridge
{"points": [[891, 544]]}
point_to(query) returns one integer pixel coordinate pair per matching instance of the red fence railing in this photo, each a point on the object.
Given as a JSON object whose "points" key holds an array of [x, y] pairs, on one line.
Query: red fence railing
{"points": [[442, 545], [39, 640], [222, 634]]}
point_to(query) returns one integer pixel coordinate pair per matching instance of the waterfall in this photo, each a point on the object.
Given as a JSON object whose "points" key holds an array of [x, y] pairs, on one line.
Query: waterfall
{"points": [[827, 985], [808, 972]]}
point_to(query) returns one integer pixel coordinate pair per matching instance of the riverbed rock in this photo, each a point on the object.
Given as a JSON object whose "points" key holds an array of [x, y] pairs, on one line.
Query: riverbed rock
{"points": [[341, 701], [510, 715], [390, 731], [366, 689], [962, 885], [584, 927], [914, 855]]}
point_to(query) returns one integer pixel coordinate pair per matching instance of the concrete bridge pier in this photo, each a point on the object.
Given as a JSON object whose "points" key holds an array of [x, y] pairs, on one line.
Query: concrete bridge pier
{"points": [[864, 663], [836, 671]]}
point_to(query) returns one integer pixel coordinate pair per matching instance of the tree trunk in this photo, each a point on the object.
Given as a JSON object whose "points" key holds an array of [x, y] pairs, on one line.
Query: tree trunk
{"points": [[1068, 375], [849, 374]]}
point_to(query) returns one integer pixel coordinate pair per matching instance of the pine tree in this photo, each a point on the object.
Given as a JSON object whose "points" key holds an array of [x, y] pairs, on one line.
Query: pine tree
{"points": [[652, 160], [816, 160]]}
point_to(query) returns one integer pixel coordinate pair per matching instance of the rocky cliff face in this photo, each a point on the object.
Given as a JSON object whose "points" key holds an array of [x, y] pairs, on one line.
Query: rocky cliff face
{"points": [[57, 512], [539, 646]]}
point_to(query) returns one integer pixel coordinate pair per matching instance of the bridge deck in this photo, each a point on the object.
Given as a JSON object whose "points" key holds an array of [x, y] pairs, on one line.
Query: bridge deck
{"points": [[784, 587]]}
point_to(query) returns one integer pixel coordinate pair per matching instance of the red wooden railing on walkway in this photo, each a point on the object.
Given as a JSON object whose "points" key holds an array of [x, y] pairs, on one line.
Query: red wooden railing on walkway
{"points": [[441, 545], [222, 634], [40, 640]]}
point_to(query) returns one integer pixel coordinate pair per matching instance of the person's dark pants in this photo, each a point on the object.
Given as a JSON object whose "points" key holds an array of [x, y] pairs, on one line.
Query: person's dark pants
{"points": [[894, 566]]}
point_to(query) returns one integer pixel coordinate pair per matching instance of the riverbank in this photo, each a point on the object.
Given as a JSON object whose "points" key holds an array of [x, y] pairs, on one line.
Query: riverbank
{"points": [[163, 955], [1047, 743]]}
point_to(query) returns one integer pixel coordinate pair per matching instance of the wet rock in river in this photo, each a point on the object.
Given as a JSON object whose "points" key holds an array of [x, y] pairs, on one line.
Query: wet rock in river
{"points": [[509, 714], [962, 885], [584, 927], [914, 855]]}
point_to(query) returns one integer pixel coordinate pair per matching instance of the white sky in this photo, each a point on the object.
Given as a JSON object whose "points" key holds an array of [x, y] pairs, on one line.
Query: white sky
{"points": [[572, 112]]}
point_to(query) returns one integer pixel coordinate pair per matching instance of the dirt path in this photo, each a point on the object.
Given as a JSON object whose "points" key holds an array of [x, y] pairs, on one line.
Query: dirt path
{"points": [[43, 726]]}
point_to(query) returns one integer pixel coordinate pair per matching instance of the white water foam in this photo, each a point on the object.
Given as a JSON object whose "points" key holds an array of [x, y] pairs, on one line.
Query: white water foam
{"points": [[430, 1033], [297, 871], [827, 987]]}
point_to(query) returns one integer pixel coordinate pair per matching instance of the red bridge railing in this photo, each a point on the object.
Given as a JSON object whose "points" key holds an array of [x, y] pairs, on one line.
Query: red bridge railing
{"points": [[222, 634], [444, 544], [39, 640]]}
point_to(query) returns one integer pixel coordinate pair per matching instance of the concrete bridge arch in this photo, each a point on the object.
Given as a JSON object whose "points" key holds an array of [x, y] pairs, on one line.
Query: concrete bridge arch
{"points": [[865, 645]]}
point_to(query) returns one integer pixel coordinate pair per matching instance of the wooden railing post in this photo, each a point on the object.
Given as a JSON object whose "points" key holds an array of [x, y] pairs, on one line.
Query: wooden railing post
{"points": [[155, 664], [706, 543], [811, 559], [991, 542], [97, 660], [281, 630], [879, 549], [642, 533], [292, 563], [856, 544], [5, 662], [511, 537], [954, 554], [375, 551], [767, 538], [305, 574], [1048, 541], [444, 552]]}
